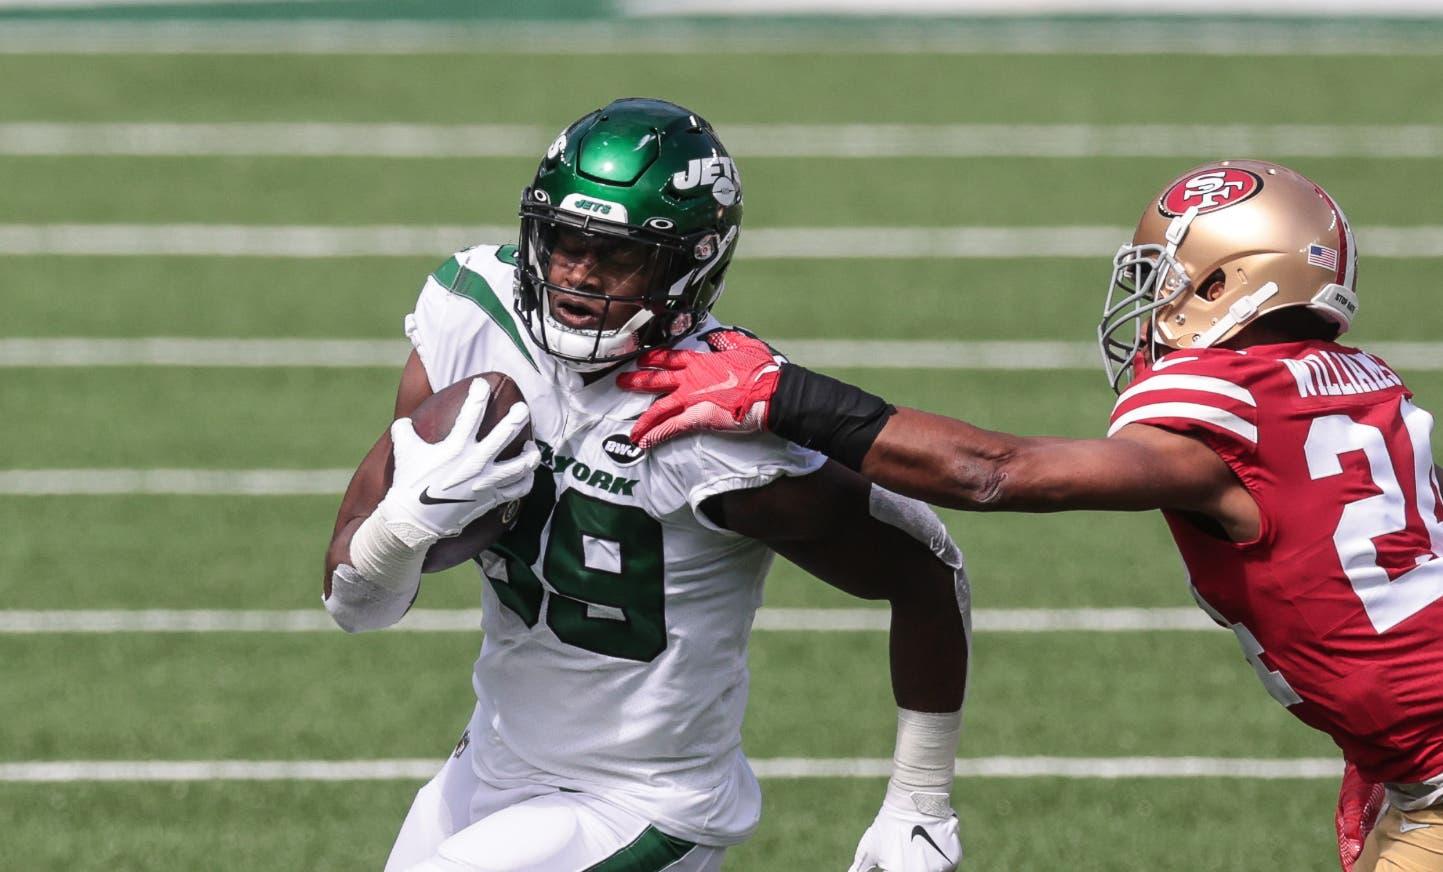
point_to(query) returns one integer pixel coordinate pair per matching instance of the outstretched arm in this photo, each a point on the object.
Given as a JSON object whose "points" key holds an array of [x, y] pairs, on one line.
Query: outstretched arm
{"points": [[741, 386], [953, 463], [877, 545]]}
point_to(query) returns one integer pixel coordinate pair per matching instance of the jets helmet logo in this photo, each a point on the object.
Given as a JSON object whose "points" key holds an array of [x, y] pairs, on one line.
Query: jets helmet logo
{"points": [[718, 172], [1210, 191], [557, 146]]}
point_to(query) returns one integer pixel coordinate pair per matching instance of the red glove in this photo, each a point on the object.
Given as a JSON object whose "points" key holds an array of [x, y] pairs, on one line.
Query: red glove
{"points": [[1359, 803], [729, 390]]}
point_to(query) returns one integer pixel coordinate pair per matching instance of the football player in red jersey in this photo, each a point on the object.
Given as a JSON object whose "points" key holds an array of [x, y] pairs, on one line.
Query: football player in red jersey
{"points": [[1295, 474]]}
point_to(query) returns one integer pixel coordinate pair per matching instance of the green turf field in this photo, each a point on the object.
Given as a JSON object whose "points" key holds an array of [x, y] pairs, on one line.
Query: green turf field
{"points": [[1090, 826], [327, 696]]}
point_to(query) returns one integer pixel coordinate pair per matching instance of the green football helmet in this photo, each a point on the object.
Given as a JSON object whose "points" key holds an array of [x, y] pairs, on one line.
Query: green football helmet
{"points": [[642, 194]]}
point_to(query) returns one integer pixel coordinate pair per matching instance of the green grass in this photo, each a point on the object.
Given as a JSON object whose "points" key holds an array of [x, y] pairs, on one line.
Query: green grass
{"points": [[297, 418], [220, 418], [330, 696], [366, 297], [915, 192], [126, 552], [337, 697], [1035, 825], [349, 298], [809, 825], [217, 826], [799, 88], [293, 418]]}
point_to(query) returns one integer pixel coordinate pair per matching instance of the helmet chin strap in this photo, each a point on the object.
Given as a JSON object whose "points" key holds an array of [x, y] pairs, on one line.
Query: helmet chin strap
{"points": [[569, 346], [1177, 229], [1240, 312]]}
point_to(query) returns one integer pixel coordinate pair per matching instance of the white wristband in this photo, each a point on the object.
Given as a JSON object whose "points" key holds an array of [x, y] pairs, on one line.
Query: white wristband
{"points": [[356, 604], [389, 553], [925, 760]]}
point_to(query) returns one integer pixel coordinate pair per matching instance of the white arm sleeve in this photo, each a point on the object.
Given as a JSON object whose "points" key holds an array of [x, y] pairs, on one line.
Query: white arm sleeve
{"points": [[917, 520], [384, 576], [925, 754], [356, 604]]}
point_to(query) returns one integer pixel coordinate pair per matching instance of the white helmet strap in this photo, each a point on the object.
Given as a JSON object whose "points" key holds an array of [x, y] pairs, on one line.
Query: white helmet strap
{"points": [[1177, 229], [1240, 312]]}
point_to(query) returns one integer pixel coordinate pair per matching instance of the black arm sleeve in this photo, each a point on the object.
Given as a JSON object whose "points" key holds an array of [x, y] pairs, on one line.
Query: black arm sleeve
{"points": [[819, 412]]}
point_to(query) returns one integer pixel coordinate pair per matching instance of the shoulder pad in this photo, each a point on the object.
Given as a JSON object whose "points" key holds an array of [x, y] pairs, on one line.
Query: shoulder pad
{"points": [[1202, 391]]}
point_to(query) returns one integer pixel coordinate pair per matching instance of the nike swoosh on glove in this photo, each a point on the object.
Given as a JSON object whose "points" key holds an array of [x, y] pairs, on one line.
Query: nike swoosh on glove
{"points": [[907, 840], [460, 476], [1360, 802], [728, 390]]}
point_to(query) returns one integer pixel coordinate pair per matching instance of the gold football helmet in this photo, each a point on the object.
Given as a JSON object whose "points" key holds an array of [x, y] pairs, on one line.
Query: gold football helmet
{"points": [[1222, 244]]}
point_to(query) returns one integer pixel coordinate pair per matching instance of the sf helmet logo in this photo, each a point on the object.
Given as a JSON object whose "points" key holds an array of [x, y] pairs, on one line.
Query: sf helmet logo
{"points": [[1210, 191]]}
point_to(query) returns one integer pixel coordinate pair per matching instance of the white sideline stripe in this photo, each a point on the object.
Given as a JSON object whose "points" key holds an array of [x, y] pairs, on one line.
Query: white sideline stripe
{"points": [[779, 767], [26, 622], [202, 482], [790, 243], [748, 140], [1183, 36], [391, 353]]}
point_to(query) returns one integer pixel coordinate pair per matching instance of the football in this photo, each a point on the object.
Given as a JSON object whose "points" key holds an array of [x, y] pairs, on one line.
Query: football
{"points": [[432, 421]]}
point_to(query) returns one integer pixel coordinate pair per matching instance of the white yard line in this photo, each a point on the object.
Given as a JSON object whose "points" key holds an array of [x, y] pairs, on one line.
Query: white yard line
{"points": [[771, 768], [745, 140], [1301, 37], [25, 622], [241, 240], [169, 351], [391, 353], [48, 5], [203, 482], [870, 8], [927, 8], [777, 243], [1067, 767]]}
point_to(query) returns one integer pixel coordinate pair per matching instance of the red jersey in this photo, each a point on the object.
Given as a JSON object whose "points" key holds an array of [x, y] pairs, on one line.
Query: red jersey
{"points": [[1338, 603]]}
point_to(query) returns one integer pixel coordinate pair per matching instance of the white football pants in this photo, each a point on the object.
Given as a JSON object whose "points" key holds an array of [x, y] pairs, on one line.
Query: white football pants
{"points": [[459, 823]]}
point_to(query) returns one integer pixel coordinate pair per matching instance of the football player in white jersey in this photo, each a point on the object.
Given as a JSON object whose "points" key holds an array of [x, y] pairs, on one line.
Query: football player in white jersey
{"points": [[606, 733]]}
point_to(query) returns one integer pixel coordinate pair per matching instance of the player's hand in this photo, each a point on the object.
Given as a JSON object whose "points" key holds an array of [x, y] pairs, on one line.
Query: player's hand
{"points": [[905, 839], [1359, 803], [440, 488], [728, 390]]}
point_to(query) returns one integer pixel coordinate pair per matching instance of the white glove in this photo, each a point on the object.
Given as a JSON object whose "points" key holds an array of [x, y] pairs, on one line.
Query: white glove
{"points": [[439, 489], [904, 838]]}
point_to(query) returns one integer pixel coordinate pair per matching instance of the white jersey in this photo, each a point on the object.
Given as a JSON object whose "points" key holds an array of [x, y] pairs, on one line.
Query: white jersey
{"points": [[616, 614]]}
